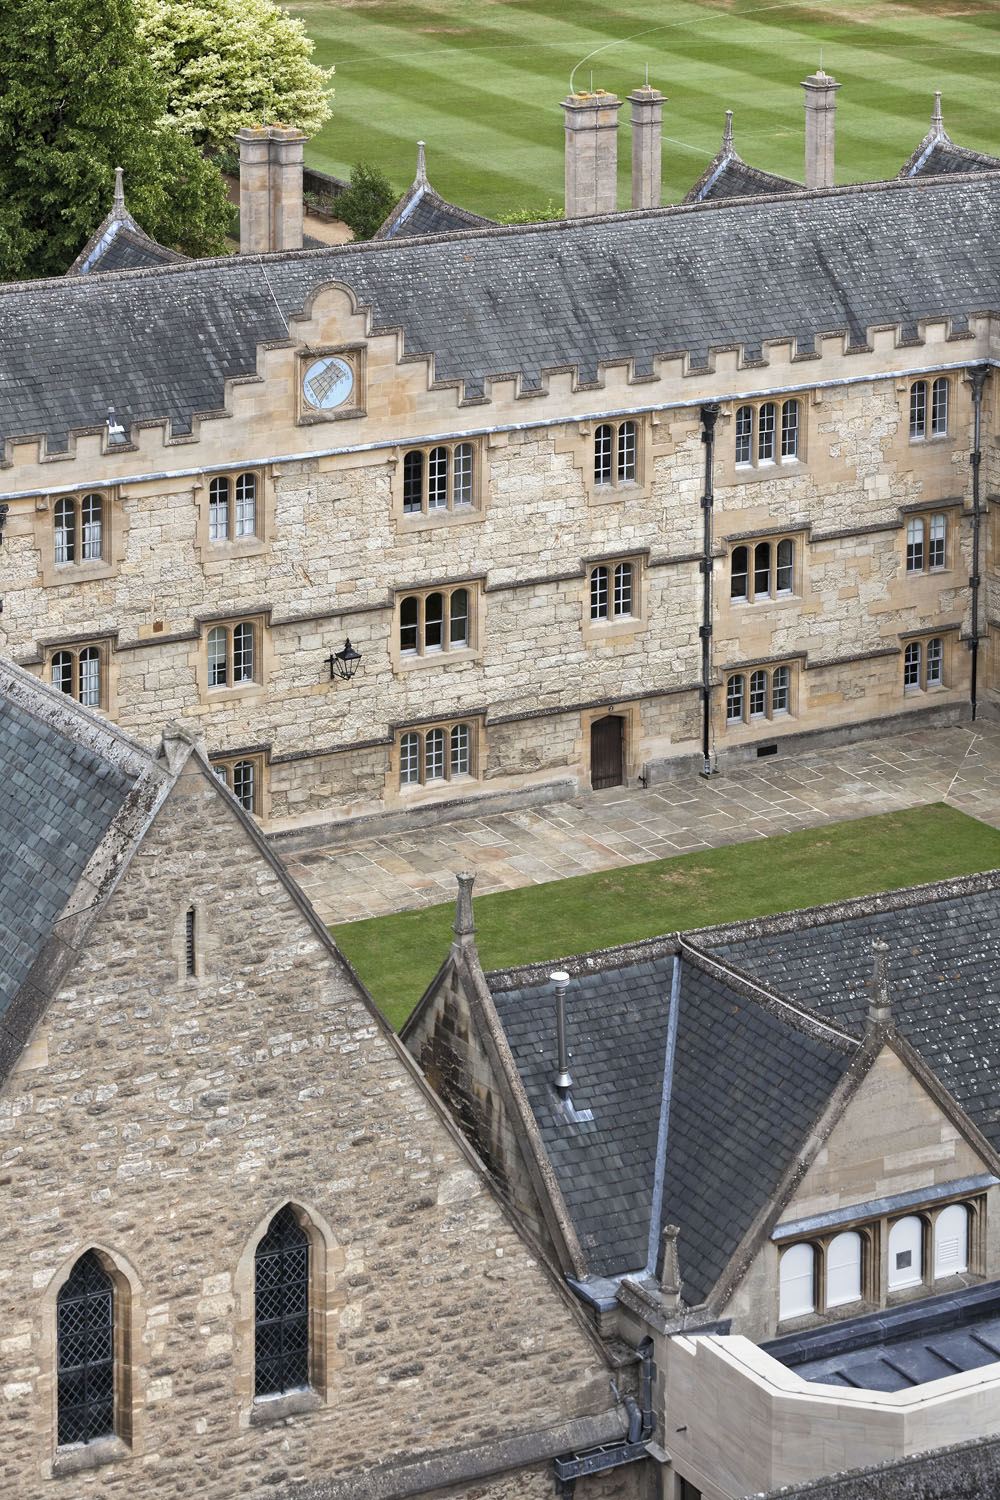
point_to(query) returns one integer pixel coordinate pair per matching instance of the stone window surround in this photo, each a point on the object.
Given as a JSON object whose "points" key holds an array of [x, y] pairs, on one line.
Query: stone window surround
{"points": [[729, 472], [773, 540], [259, 759], [405, 662], [595, 631], [946, 635], [579, 442], [244, 546], [104, 644], [445, 516], [446, 726], [260, 620], [113, 531], [874, 1260], [925, 513], [397, 795], [932, 430], [128, 1439], [326, 1299], [770, 716]]}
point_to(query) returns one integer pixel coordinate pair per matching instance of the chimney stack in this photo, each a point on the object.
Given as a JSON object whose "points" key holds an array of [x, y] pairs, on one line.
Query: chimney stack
{"points": [[647, 131], [591, 153], [821, 105], [464, 926], [270, 188]]}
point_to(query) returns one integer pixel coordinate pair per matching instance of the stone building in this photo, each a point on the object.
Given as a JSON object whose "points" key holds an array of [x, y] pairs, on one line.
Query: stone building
{"points": [[597, 501], [769, 1155], [244, 1252]]}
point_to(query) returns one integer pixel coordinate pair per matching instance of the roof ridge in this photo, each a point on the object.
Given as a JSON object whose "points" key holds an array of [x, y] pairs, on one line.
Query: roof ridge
{"points": [[73, 720]]}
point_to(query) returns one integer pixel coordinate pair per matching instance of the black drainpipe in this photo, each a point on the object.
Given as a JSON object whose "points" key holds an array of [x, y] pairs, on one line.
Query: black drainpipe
{"points": [[977, 379], [709, 417]]}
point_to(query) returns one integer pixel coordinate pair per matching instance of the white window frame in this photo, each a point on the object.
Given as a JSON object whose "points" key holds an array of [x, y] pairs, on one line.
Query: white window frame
{"points": [[758, 694], [244, 776], [80, 527], [234, 506], [420, 633], [930, 402], [616, 455], [769, 571], [439, 479], [436, 754], [767, 433], [230, 666], [927, 544], [924, 664], [81, 672]]}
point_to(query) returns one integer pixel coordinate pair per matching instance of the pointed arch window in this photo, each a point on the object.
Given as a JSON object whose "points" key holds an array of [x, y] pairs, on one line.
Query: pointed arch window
{"points": [[281, 1307], [85, 1332]]}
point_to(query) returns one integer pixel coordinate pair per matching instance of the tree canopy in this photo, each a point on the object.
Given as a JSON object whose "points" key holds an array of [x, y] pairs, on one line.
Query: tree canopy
{"points": [[78, 97], [229, 63], [367, 203]]}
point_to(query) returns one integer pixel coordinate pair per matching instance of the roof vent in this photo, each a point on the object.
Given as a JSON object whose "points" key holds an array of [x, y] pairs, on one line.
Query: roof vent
{"points": [[563, 1081], [116, 432], [879, 1005]]}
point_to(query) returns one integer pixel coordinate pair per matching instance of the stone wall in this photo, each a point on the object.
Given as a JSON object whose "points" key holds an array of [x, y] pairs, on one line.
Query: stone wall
{"points": [[335, 553], [162, 1119]]}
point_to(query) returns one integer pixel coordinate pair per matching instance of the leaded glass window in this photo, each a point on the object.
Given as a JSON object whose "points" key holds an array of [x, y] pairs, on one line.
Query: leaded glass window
{"points": [[602, 454], [218, 510], [599, 594], [766, 417], [744, 434], [92, 528], [939, 407], [246, 505], [86, 1354], [281, 1307]]}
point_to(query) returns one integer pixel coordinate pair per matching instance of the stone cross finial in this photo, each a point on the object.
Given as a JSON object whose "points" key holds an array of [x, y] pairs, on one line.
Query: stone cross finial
{"points": [[421, 178], [879, 1006], [937, 120], [670, 1276], [727, 135], [118, 207], [464, 926]]}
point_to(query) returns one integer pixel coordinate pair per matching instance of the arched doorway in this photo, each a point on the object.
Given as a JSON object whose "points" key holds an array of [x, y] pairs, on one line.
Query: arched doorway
{"points": [[607, 752]]}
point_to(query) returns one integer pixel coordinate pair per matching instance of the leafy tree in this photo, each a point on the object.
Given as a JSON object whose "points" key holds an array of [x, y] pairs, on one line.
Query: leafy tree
{"points": [[229, 63], [367, 203], [531, 215], [77, 99]]}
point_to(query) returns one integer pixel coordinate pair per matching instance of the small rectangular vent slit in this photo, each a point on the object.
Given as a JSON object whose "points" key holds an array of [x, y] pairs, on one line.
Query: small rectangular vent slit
{"points": [[763, 750]]}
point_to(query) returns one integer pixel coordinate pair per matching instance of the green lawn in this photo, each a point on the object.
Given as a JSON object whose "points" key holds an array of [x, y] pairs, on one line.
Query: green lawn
{"points": [[398, 955], [480, 81]]}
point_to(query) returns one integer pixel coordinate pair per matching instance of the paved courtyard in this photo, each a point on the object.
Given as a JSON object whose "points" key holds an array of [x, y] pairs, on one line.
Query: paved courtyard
{"points": [[600, 830]]}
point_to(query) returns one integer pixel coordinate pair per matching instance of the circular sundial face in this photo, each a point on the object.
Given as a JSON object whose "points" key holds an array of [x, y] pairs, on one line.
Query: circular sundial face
{"points": [[327, 382]]}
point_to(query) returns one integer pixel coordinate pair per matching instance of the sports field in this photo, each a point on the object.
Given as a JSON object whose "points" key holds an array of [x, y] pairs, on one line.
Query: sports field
{"points": [[480, 81]]}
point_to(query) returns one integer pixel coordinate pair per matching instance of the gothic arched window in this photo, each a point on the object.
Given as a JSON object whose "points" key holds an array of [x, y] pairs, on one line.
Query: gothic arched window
{"points": [[281, 1307], [85, 1331]]}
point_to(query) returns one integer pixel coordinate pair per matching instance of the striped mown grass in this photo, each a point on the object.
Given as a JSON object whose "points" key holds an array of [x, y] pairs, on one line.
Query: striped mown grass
{"points": [[480, 81]]}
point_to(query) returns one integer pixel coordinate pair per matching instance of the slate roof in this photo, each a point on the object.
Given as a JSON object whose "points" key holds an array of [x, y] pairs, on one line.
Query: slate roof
{"points": [[746, 1084], [944, 981], [421, 211], [59, 798], [937, 155], [120, 244], [729, 176], [160, 344]]}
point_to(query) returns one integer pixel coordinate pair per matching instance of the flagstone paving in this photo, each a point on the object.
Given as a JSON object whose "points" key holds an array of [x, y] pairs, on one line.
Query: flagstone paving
{"points": [[602, 830]]}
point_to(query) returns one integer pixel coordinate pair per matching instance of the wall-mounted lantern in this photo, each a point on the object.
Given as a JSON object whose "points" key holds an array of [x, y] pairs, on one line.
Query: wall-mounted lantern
{"points": [[344, 663]]}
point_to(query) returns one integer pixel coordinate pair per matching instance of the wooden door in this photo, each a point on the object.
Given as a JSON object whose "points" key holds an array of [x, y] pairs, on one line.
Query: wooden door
{"points": [[607, 752]]}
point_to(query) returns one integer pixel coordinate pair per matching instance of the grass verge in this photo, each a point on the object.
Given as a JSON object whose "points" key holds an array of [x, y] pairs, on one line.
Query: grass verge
{"points": [[398, 955]]}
